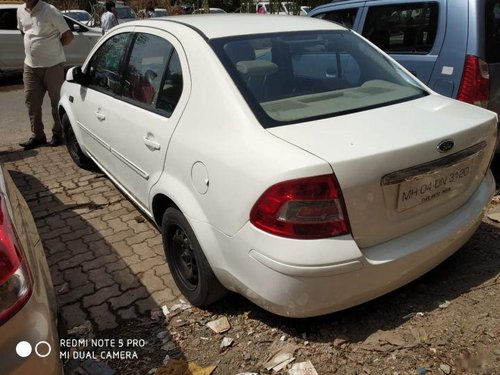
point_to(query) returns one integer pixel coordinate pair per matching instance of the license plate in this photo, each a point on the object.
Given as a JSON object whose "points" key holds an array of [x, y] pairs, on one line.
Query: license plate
{"points": [[434, 185]]}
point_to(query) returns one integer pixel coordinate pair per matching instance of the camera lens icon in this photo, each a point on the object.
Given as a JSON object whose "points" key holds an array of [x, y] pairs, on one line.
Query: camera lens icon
{"points": [[42, 349]]}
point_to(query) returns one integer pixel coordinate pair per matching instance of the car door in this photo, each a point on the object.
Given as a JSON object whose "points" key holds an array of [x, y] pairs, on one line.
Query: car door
{"points": [[12, 46], [95, 108], [153, 98], [77, 51], [410, 31]]}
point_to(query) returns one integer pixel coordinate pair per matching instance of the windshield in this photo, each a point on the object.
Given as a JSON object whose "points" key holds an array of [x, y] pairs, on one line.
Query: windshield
{"points": [[79, 16], [160, 13], [125, 12], [292, 77]]}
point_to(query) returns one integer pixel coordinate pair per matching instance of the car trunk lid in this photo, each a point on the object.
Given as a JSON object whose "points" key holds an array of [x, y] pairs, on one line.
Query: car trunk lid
{"points": [[393, 177]]}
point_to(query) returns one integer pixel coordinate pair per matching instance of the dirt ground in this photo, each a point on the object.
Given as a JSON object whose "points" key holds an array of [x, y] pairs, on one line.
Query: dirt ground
{"points": [[446, 322]]}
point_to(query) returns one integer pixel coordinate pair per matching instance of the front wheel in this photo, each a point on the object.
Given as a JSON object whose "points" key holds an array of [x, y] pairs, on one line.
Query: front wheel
{"points": [[73, 146], [187, 262]]}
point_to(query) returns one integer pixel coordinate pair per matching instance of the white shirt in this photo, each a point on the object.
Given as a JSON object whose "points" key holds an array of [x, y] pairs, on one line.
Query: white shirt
{"points": [[42, 28], [108, 21]]}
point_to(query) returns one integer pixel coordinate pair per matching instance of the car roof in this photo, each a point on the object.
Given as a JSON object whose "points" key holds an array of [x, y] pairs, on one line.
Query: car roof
{"points": [[10, 6], [223, 25]]}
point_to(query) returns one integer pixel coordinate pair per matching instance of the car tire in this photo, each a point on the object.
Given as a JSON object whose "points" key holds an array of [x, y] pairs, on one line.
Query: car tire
{"points": [[187, 262], [73, 146]]}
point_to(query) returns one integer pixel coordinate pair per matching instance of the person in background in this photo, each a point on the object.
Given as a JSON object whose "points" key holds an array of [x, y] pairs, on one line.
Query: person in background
{"points": [[108, 19], [45, 32]]}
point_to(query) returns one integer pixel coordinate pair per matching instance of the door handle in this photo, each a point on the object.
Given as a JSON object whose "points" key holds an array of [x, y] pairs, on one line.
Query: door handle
{"points": [[152, 145], [100, 116]]}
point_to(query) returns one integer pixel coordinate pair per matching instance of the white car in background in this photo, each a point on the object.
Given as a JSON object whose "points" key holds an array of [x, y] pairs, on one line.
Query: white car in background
{"points": [[12, 46], [80, 15], [125, 13], [283, 158], [210, 11]]}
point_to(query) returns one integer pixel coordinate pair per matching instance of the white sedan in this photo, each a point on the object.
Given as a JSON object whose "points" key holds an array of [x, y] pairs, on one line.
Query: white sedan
{"points": [[283, 158]]}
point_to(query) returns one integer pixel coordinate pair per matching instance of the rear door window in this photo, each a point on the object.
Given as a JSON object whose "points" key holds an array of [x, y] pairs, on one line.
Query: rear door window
{"points": [[408, 28], [148, 59]]}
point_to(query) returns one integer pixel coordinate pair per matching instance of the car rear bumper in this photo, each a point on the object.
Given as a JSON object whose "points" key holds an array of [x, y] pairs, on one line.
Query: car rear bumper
{"points": [[314, 277]]}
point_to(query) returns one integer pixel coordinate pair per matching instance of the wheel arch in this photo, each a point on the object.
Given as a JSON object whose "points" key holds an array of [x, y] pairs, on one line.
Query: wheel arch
{"points": [[159, 205], [64, 108]]}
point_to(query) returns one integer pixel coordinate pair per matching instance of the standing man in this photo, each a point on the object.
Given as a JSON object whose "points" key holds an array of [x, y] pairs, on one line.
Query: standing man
{"points": [[45, 33], [108, 19]]}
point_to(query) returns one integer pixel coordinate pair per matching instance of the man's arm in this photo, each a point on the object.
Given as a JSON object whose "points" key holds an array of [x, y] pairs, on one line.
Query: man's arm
{"points": [[67, 37]]}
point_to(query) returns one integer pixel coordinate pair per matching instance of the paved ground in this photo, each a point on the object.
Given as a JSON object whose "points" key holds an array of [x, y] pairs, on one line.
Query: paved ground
{"points": [[106, 260]]}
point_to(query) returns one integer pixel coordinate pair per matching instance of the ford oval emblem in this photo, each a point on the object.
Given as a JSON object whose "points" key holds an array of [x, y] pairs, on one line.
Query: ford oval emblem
{"points": [[446, 145]]}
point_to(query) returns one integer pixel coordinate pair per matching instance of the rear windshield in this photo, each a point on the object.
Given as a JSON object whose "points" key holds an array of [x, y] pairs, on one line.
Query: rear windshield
{"points": [[291, 77], [492, 30]]}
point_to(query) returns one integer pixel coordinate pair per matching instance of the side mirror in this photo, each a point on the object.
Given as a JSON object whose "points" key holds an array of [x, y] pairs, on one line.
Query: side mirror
{"points": [[77, 28], [76, 75]]}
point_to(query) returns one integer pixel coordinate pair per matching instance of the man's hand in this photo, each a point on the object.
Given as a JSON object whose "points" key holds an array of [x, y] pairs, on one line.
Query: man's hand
{"points": [[67, 37]]}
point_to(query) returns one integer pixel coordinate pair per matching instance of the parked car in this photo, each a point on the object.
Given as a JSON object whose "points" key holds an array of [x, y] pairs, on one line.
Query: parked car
{"points": [[80, 15], [210, 10], [453, 46], [11, 40], [161, 12], [28, 321], [308, 171], [124, 13]]}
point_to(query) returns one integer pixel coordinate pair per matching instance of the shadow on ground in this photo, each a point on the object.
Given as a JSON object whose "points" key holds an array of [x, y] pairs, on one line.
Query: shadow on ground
{"points": [[108, 274]]}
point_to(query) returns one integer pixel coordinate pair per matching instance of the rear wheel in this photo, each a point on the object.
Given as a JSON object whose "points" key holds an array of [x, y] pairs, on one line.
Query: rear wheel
{"points": [[73, 146], [188, 265]]}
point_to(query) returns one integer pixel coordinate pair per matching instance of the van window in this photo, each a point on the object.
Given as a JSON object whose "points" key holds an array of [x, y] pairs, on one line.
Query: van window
{"points": [[492, 32], [403, 28], [344, 17]]}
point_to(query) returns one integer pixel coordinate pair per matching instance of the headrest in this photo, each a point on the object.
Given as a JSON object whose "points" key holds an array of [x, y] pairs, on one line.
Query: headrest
{"points": [[256, 67]]}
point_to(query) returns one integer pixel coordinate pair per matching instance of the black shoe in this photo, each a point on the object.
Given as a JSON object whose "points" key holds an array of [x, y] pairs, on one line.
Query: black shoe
{"points": [[33, 142], [56, 141]]}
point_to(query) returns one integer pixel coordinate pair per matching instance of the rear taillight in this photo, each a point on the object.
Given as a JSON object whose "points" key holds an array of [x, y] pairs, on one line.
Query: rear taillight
{"points": [[306, 208], [475, 83], [15, 283]]}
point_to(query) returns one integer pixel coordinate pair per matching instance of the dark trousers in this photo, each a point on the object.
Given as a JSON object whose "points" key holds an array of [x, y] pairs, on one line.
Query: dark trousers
{"points": [[38, 81]]}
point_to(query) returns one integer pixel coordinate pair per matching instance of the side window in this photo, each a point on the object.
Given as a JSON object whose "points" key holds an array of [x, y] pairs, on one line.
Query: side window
{"points": [[145, 69], [403, 28], [8, 19], [171, 89], [105, 68], [345, 17]]}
